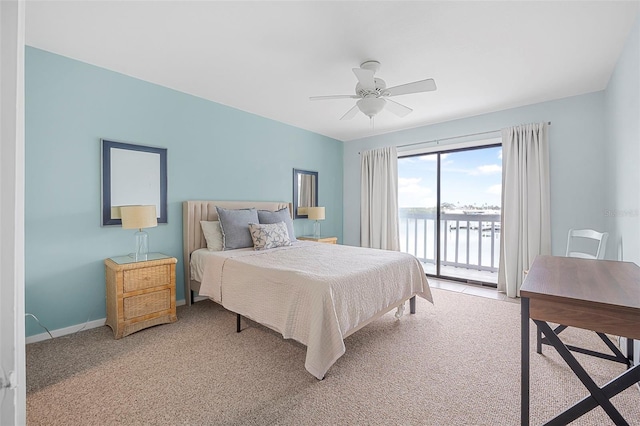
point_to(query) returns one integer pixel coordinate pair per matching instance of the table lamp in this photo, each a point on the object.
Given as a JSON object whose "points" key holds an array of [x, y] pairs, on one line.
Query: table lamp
{"points": [[139, 217], [317, 214]]}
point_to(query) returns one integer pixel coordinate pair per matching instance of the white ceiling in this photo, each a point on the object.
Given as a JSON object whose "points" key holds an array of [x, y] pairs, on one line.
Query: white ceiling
{"points": [[267, 58]]}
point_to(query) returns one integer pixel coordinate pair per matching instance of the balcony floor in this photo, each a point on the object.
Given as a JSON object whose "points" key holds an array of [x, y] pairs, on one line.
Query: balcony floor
{"points": [[470, 275], [487, 292]]}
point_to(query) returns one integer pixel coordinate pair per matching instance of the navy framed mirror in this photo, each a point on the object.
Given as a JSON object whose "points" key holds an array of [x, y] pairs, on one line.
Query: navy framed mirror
{"points": [[305, 192], [132, 175]]}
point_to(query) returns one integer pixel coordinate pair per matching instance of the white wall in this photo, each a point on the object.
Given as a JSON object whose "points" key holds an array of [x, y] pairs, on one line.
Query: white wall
{"points": [[576, 139], [622, 112]]}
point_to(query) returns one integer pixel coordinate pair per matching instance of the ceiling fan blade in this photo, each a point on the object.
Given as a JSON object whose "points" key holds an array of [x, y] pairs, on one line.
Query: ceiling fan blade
{"points": [[320, 98], [396, 108], [351, 113], [427, 85], [365, 78]]}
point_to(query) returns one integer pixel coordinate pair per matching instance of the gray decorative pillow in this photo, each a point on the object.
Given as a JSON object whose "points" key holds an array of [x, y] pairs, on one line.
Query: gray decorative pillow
{"points": [[235, 227], [282, 215], [269, 236]]}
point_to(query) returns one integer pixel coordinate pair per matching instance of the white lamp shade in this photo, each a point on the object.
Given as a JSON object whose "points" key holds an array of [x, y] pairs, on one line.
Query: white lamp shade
{"points": [[371, 106], [315, 213], [138, 217]]}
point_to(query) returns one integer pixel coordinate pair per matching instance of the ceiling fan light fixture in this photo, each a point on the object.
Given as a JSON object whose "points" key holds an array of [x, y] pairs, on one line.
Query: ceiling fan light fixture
{"points": [[373, 93], [371, 106]]}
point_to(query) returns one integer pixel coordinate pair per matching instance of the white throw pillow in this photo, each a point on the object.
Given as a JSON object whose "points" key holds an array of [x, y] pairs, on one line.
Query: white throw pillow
{"points": [[268, 236], [213, 234]]}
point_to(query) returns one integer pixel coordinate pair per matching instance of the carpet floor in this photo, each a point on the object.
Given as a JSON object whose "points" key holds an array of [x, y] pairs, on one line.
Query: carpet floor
{"points": [[456, 362]]}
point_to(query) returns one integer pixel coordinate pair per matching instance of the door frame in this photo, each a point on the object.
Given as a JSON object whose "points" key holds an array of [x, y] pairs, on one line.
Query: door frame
{"points": [[438, 151], [12, 328]]}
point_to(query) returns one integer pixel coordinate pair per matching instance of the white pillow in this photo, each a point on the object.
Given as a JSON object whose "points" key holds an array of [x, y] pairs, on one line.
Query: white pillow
{"points": [[213, 234], [267, 236]]}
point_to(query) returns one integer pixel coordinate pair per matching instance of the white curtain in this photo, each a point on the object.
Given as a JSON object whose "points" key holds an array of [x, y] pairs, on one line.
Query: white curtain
{"points": [[379, 199], [526, 224]]}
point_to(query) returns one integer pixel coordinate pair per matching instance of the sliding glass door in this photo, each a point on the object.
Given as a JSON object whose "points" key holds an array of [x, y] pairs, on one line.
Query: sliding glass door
{"points": [[450, 211]]}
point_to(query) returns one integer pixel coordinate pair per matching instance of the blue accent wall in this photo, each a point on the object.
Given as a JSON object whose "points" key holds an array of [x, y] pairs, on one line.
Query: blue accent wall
{"points": [[214, 152]]}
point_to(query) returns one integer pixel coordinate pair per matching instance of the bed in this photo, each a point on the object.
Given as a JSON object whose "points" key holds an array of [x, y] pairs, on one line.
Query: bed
{"points": [[317, 294]]}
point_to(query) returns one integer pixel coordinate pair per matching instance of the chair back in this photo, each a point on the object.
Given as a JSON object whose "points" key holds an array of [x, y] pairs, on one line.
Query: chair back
{"points": [[600, 239]]}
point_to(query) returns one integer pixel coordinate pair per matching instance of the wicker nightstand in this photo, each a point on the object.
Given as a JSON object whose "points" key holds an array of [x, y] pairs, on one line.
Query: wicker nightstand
{"points": [[140, 294], [328, 240]]}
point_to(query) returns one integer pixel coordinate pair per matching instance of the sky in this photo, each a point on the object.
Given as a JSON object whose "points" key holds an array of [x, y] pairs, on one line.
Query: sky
{"points": [[472, 177]]}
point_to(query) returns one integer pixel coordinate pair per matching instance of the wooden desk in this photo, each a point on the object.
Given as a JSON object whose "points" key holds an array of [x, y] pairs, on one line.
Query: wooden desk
{"points": [[598, 295]]}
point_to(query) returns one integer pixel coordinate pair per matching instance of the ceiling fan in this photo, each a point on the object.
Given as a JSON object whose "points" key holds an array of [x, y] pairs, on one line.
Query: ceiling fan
{"points": [[373, 95]]}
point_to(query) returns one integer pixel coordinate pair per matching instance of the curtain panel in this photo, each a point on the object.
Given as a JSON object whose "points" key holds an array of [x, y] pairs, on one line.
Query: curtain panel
{"points": [[526, 218], [379, 199]]}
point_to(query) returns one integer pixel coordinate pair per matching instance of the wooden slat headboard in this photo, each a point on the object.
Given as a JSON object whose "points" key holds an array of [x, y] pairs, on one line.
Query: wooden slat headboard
{"points": [[193, 238]]}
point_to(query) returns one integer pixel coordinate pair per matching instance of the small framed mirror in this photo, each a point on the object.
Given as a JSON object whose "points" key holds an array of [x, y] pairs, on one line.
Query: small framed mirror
{"points": [[132, 175], [305, 192]]}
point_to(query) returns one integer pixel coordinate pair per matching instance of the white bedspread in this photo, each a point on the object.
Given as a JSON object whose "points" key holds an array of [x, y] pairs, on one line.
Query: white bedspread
{"points": [[311, 292]]}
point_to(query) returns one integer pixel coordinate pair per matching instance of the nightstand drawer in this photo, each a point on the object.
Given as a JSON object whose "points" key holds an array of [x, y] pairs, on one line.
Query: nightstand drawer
{"points": [[145, 304], [140, 279]]}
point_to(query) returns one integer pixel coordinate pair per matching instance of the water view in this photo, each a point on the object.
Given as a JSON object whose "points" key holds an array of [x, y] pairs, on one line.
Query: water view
{"points": [[470, 190]]}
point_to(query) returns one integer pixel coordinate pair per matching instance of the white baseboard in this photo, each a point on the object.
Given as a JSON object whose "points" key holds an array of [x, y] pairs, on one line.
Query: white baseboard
{"points": [[67, 330], [78, 327]]}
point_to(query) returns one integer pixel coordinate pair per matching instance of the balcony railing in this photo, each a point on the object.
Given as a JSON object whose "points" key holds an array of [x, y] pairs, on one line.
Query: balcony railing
{"points": [[469, 241]]}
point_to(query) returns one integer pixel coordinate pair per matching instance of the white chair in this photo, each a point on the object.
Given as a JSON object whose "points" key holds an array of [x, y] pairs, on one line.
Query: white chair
{"points": [[595, 238], [589, 238], [591, 245]]}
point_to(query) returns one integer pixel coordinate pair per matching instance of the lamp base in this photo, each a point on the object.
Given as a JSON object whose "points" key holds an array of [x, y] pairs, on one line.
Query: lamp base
{"points": [[316, 229], [142, 246]]}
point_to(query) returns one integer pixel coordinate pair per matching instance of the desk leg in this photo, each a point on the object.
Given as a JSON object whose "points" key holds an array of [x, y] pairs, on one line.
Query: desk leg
{"points": [[611, 389], [538, 340], [630, 352], [599, 396], [524, 361]]}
